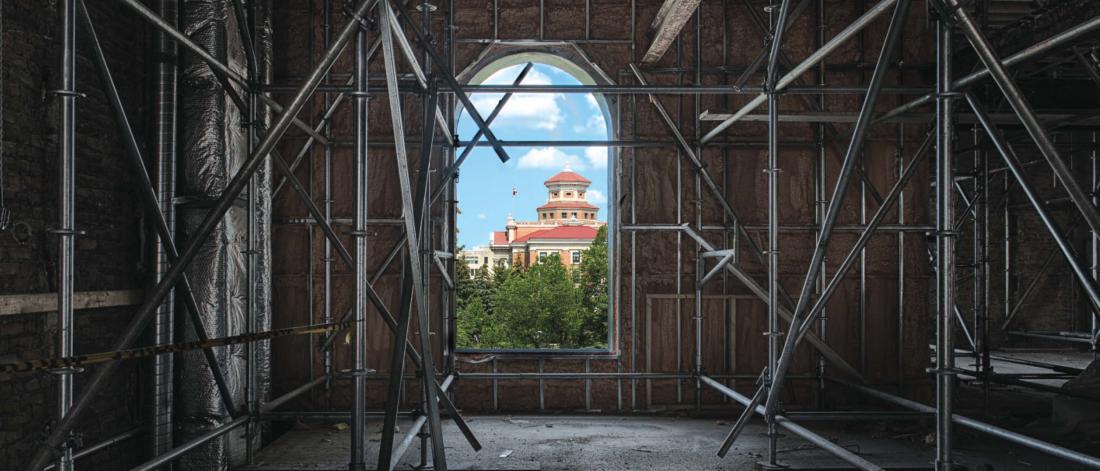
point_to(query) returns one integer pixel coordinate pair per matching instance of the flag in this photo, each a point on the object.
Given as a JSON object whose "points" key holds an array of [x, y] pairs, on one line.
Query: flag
{"points": [[514, 192]]}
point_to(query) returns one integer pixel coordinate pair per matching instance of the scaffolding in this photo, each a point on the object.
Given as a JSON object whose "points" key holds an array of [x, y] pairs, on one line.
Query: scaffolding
{"points": [[434, 81]]}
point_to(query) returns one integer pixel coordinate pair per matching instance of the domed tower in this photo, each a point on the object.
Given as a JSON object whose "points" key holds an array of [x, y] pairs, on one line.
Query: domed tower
{"points": [[566, 202]]}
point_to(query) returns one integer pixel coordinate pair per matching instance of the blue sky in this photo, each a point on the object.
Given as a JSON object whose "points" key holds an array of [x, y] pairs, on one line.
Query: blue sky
{"points": [[485, 184]]}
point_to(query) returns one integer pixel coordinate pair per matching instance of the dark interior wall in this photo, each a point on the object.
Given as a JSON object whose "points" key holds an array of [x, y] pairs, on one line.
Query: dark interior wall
{"points": [[655, 271], [108, 251]]}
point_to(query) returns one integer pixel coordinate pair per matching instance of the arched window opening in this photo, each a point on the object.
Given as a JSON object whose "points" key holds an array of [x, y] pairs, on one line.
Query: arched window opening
{"points": [[541, 217]]}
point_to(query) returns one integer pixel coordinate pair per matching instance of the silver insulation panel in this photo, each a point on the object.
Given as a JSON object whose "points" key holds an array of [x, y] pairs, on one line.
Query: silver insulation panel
{"points": [[213, 146]]}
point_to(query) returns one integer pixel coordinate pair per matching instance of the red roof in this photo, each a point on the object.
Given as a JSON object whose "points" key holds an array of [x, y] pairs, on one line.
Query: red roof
{"points": [[561, 232], [567, 205], [500, 238], [568, 176]]}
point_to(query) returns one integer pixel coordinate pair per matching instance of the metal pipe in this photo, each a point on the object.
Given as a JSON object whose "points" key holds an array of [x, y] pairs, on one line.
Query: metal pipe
{"points": [[233, 189], [407, 87], [1013, 437], [359, 400], [271, 405], [412, 239], [153, 203], [66, 212], [945, 249], [191, 444], [326, 282], [414, 64], [817, 56], [698, 164], [1036, 50], [164, 111], [452, 168], [449, 81], [791, 426], [773, 265], [1013, 164], [101, 445], [855, 148], [216, 66], [1026, 114]]}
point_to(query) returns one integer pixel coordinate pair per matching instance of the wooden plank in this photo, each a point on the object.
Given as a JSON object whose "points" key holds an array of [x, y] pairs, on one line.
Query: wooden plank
{"points": [[670, 19], [14, 304]]}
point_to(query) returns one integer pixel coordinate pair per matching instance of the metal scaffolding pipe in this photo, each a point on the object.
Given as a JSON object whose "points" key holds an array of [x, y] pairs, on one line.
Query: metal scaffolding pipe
{"points": [[791, 426], [1026, 113], [854, 152], [359, 399], [1013, 437], [101, 445], [1036, 50], [214, 216], [817, 56], [945, 249], [412, 238], [1012, 162], [191, 444], [155, 207], [161, 424], [66, 230]]}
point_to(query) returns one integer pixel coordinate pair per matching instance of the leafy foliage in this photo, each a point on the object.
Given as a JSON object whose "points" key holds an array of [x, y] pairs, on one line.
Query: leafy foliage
{"points": [[543, 306]]}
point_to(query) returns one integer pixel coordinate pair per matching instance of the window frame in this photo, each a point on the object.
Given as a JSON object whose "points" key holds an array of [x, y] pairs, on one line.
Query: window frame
{"points": [[569, 58]]}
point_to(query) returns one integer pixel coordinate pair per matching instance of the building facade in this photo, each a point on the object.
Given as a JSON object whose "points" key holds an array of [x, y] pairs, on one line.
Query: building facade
{"points": [[566, 225]]}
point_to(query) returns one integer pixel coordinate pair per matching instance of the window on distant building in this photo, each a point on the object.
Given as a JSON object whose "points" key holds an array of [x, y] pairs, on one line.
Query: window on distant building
{"points": [[546, 204]]}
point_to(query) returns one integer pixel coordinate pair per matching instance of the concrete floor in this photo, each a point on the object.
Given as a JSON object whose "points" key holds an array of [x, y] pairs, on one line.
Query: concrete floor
{"points": [[552, 442]]}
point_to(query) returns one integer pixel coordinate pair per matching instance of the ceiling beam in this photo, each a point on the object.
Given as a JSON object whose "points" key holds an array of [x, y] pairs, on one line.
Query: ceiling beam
{"points": [[670, 19]]}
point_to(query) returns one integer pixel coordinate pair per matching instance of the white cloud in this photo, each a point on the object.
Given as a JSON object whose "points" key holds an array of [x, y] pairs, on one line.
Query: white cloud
{"points": [[596, 122], [481, 216], [535, 110], [597, 156], [550, 158], [592, 103], [596, 197]]}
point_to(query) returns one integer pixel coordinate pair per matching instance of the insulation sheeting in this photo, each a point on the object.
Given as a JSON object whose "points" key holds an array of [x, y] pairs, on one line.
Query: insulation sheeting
{"points": [[213, 146]]}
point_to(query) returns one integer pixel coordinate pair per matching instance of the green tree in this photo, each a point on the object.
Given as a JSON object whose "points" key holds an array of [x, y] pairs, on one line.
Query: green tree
{"points": [[591, 278], [539, 308]]}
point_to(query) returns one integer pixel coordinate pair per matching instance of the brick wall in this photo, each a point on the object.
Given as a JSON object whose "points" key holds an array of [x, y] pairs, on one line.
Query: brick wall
{"points": [[108, 256]]}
